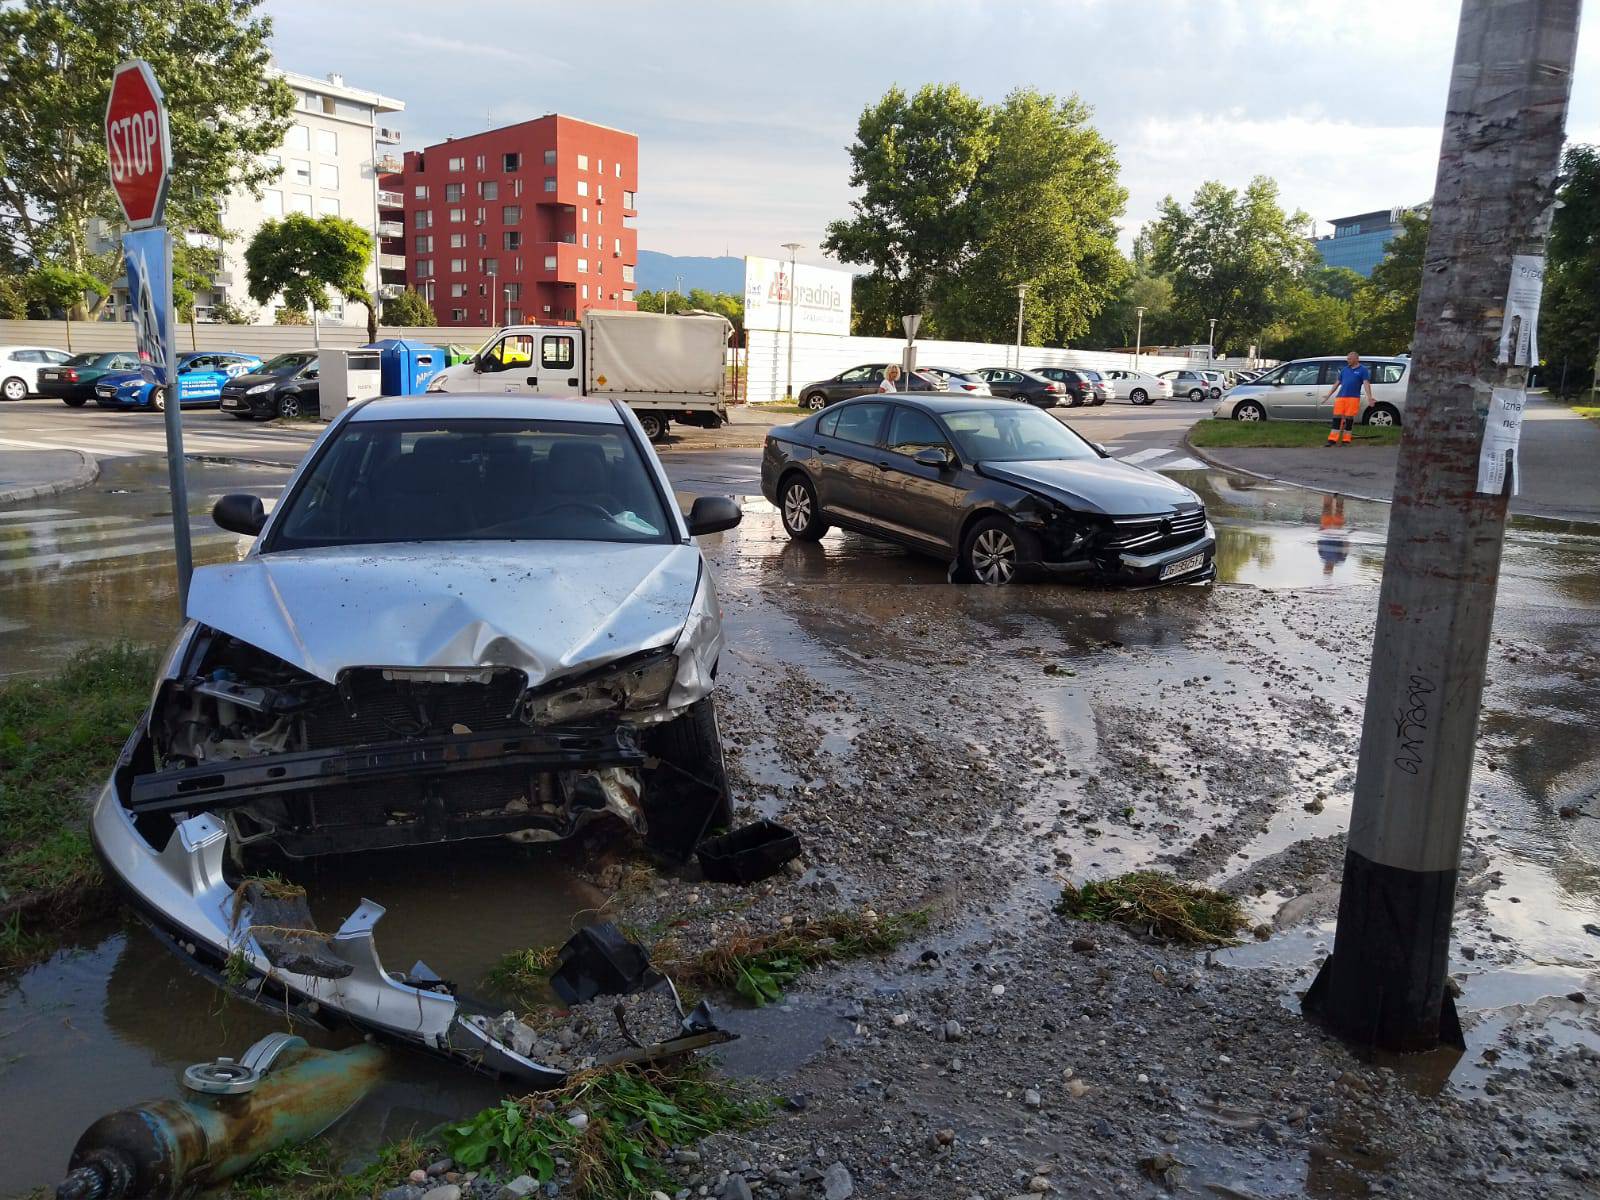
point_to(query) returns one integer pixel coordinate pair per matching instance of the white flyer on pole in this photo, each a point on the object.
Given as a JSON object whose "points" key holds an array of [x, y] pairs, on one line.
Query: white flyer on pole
{"points": [[1502, 430], [1519, 327]]}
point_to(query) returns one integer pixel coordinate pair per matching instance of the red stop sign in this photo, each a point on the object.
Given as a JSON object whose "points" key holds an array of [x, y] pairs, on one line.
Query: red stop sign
{"points": [[138, 144]]}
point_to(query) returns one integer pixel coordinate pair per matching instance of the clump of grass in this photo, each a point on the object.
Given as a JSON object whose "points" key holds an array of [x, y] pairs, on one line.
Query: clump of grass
{"points": [[523, 975], [59, 737], [313, 1171], [1157, 905], [632, 1118], [759, 966]]}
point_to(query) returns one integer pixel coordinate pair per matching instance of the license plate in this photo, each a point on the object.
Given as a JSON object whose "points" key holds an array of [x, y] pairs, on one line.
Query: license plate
{"points": [[230, 402], [1183, 566], [52, 376]]}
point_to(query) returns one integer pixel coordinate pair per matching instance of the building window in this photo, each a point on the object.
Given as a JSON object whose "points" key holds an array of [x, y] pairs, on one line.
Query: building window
{"points": [[420, 191], [300, 203], [549, 158], [586, 241], [511, 214], [619, 169], [423, 267], [424, 219], [511, 162], [627, 200], [518, 266], [627, 273], [483, 241], [600, 193], [489, 189], [583, 162], [458, 216], [328, 142], [458, 266], [453, 192], [627, 294], [584, 288], [585, 212], [491, 266], [599, 216], [483, 289], [583, 266], [298, 138], [458, 241], [456, 164], [458, 314], [617, 245], [327, 206], [300, 172], [513, 291], [516, 187], [478, 162], [549, 183], [272, 203], [273, 162], [457, 290], [483, 215], [328, 176], [425, 244], [511, 240], [583, 187], [549, 262]]}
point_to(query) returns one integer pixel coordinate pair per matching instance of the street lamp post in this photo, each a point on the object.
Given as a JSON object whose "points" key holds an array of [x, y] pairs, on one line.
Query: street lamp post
{"points": [[494, 311], [507, 292], [1138, 337], [793, 248], [1022, 290], [1211, 341]]}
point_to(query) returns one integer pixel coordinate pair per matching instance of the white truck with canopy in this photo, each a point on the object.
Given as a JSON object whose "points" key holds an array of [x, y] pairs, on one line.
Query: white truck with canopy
{"points": [[666, 368]]}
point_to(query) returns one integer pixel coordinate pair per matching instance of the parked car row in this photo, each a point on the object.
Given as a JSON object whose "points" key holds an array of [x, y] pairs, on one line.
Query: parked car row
{"points": [[1043, 387]]}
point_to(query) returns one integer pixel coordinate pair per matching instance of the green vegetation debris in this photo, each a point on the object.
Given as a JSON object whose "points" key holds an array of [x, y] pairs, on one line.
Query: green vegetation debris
{"points": [[630, 1118], [522, 976], [59, 737], [759, 966], [1156, 904], [1281, 435], [316, 1171]]}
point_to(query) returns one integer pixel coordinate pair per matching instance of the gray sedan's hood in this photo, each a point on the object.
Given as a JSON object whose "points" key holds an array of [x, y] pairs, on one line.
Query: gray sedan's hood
{"points": [[544, 607], [1096, 485]]}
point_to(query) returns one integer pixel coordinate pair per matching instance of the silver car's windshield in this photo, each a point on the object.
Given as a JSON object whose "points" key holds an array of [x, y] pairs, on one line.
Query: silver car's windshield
{"points": [[473, 479], [1013, 435]]}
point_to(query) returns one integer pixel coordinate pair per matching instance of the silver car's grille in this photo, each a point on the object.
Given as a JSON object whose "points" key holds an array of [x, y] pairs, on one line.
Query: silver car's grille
{"points": [[1146, 535]]}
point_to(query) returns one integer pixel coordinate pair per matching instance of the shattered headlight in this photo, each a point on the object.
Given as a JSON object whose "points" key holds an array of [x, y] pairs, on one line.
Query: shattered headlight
{"points": [[635, 687]]}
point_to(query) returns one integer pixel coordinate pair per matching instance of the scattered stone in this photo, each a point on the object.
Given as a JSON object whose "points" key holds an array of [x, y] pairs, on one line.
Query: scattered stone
{"points": [[1077, 1089], [447, 1191], [945, 1137], [1576, 997], [953, 1032], [1084, 945], [837, 1184], [686, 1158], [405, 1191], [1032, 1098], [736, 1188], [418, 1176], [519, 1188], [900, 1018], [1038, 1185], [439, 1168]]}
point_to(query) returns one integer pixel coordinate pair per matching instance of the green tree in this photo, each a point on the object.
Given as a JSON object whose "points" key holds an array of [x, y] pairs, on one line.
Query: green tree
{"points": [[13, 298], [1339, 282], [227, 312], [1117, 325], [916, 160], [1309, 323], [409, 310], [726, 304], [1233, 256], [300, 258], [56, 61], [1044, 210], [58, 289], [293, 316], [1569, 318], [1386, 304]]}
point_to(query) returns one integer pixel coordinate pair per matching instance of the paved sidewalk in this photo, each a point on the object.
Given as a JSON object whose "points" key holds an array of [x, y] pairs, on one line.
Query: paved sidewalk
{"points": [[1559, 459], [28, 474]]}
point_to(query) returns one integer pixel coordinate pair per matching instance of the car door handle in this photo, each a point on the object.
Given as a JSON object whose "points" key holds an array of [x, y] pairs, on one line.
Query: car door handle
{"points": [[822, 450], [573, 382], [533, 381], [883, 464]]}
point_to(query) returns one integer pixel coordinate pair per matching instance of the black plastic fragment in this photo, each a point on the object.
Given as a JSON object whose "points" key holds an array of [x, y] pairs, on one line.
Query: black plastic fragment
{"points": [[282, 924], [599, 961], [749, 854]]}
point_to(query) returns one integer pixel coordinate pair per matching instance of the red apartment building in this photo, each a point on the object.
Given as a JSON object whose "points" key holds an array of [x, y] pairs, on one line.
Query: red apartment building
{"points": [[533, 222]]}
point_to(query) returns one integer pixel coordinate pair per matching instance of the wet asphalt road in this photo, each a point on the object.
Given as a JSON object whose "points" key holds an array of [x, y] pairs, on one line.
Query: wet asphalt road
{"points": [[94, 1027]]}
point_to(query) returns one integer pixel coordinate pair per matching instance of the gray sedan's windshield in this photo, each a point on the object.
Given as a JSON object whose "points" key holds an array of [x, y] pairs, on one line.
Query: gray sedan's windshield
{"points": [[1006, 434], [465, 479]]}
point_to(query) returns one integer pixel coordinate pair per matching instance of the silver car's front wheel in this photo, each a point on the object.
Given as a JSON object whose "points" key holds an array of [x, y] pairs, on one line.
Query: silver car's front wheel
{"points": [[1382, 414], [1249, 410]]}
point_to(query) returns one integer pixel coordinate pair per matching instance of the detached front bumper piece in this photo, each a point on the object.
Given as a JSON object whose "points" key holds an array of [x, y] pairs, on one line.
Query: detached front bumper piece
{"points": [[181, 892]]}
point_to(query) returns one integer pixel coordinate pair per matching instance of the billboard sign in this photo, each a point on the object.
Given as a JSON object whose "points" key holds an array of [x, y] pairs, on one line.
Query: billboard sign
{"points": [[821, 297], [149, 256]]}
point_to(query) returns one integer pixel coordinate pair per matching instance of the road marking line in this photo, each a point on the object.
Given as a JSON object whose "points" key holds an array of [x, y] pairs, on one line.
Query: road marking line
{"points": [[105, 553], [17, 514], [1183, 464], [1145, 455]]}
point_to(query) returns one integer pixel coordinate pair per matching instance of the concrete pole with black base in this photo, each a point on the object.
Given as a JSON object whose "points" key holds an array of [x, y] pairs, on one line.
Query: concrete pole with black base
{"points": [[1384, 985]]}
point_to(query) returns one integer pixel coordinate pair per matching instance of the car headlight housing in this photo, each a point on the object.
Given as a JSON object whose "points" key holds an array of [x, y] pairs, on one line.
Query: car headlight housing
{"points": [[632, 688], [258, 389], [436, 384]]}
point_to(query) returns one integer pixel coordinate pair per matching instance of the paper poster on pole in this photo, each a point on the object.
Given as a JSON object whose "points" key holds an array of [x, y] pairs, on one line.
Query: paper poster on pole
{"points": [[1519, 327], [1502, 430], [149, 257], [821, 297]]}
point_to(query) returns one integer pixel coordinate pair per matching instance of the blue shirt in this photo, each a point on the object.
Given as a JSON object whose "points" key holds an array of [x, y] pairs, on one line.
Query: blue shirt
{"points": [[1351, 379]]}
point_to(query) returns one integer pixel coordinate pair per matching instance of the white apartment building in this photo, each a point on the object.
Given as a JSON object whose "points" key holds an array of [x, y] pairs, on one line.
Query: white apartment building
{"points": [[328, 164]]}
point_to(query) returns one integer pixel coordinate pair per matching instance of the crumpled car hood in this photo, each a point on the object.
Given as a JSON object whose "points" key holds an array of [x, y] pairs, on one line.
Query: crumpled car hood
{"points": [[546, 608], [1097, 485]]}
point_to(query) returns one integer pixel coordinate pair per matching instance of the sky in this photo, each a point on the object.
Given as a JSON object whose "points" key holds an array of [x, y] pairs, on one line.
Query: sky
{"points": [[744, 110]]}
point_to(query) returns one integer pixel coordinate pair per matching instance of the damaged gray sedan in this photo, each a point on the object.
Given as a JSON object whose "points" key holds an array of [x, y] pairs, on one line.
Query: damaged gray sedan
{"points": [[468, 617]]}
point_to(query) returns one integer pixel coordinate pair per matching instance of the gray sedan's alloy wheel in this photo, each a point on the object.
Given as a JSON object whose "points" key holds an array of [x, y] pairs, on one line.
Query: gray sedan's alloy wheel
{"points": [[158, 399], [14, 389], [1249, 410], [993, 555], [797, 501], [1381, 414], [1197, 394], [816, 401]]}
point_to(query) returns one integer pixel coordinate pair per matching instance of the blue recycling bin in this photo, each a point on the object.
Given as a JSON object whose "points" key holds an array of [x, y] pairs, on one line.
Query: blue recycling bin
{"points": [[405, 366]]}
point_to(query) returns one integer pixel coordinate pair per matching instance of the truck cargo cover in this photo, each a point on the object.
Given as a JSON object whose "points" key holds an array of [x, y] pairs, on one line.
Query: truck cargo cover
{"points": [[645, 352]]}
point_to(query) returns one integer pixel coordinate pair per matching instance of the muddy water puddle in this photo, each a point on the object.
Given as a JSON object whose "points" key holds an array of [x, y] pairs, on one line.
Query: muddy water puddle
{"points": [[113, 1018]]}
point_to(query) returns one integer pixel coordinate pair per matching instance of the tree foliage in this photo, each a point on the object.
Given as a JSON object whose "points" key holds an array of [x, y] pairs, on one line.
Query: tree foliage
{"points": [[1232, 255], [409, 310], [226, 312], [299, 258], [60, 289], [56, 61], [1386, 304], [1569, 326], [727, 304]]}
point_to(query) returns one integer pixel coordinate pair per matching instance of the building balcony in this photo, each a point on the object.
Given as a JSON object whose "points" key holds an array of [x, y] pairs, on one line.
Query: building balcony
{"points": [[390, 291], [389, 164], [387, 199], [386, 135], [392, 229], [392, 262]]}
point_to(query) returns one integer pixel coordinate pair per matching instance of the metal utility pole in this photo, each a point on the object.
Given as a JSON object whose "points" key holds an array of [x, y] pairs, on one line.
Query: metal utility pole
{"points": [[1022, 290], [1138, 337], [793, 248], [1211, 340], [1384, 985]]}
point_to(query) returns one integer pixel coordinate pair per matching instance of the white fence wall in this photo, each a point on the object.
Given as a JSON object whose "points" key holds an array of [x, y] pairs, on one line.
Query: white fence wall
{"points": [[264, 340], [820, 356]]}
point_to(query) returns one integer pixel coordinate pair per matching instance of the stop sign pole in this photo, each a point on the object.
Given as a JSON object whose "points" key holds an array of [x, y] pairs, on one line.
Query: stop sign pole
{"points": [[139, 154]]}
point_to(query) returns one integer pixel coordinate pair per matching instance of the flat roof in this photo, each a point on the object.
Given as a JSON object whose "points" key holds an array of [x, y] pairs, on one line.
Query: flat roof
{"points": [[488, 406], [326, 87]]}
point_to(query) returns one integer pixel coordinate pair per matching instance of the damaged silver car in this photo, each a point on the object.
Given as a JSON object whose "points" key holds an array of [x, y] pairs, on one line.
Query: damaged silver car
{"points": [[468, 617]]}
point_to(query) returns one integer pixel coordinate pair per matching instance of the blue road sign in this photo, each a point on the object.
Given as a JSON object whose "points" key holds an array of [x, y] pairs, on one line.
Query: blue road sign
{"points": [[149, 257]]}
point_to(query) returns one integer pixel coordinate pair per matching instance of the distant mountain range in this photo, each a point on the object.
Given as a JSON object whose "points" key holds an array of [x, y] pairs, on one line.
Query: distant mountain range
{"points": [[658, 271]]}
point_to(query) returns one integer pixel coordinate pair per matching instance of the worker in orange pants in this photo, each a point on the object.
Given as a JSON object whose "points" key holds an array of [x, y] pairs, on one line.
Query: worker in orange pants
{"points": [[1346, 395]]}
